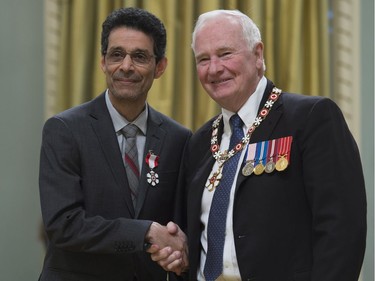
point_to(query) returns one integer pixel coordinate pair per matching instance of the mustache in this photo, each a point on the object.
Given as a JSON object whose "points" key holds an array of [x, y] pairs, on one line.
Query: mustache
{"points": [[128, 76]]}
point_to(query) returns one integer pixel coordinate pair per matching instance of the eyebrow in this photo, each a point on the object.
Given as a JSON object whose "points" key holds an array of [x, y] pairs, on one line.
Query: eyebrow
{"points": [[220, 50], [226, 48], [117, 48]]}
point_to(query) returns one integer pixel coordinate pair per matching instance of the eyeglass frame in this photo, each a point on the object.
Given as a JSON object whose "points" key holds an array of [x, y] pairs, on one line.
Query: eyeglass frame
{"points": [[132, 55]]}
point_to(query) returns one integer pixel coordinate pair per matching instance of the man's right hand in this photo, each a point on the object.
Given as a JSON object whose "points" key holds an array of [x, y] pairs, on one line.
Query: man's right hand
{"points": [[169, 247]]}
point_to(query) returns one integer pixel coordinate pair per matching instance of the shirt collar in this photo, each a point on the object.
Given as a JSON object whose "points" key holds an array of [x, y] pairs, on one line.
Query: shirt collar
{"points": [[120, 122], [248, 112]]}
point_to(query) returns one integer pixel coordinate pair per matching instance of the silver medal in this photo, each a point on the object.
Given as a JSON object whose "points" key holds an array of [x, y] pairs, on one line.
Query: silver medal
{"points": [[248, 169]]}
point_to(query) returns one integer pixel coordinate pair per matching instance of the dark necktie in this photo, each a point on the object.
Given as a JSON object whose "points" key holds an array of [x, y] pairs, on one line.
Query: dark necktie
{"points": [[219, 207], [131, 159]]}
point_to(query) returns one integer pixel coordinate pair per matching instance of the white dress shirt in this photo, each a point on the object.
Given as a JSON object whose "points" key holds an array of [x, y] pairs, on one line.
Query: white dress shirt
{"points": [[248, 113]]}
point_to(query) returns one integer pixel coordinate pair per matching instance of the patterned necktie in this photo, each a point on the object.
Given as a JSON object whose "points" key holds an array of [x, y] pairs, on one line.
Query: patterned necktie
{"points": [[131, 159], [219, 206]]}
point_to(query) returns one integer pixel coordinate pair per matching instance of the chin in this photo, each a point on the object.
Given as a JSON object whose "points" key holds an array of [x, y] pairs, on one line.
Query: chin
{"points": [[221, 95]]}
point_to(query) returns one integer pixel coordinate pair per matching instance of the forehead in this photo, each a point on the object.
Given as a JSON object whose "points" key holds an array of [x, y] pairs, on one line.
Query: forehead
{"points": [[129, 39], [219, 33]]}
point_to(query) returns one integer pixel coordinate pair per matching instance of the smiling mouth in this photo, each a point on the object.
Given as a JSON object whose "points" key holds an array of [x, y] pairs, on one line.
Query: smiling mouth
{"points": [[127, 81], [220, 81]]}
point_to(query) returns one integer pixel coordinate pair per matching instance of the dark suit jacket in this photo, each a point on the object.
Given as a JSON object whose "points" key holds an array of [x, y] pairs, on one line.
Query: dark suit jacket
{"points": [[305, 223], [93, 229]]}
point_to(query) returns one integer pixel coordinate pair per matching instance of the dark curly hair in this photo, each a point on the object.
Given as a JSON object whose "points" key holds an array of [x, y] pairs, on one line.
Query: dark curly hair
{"points": [[140, 20]]}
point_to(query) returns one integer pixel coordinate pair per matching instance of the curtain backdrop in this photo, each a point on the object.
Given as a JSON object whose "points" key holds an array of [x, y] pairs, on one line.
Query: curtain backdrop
{"points": [[295, 34]]}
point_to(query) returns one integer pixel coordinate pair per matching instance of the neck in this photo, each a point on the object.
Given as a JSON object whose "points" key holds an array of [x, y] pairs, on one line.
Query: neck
{"points": [[129, 109]]}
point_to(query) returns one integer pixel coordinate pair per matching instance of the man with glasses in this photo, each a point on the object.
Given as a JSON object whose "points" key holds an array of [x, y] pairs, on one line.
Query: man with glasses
{"points": [[109, 168]]}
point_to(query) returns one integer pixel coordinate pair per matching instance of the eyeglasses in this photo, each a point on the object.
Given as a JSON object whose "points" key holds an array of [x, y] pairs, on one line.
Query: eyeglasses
{"points": [[138, 58]]}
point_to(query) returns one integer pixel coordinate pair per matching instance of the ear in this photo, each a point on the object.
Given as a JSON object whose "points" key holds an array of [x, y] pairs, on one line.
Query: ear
{"points": [[102, 64], [258, 51], [160, 67]]}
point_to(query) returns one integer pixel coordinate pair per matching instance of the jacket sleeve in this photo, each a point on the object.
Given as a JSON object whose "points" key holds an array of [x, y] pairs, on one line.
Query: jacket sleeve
{"points": [[336, 193]]}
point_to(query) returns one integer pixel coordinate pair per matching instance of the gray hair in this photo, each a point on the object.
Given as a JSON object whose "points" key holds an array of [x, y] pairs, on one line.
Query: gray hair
{"points": [[250, 31]]}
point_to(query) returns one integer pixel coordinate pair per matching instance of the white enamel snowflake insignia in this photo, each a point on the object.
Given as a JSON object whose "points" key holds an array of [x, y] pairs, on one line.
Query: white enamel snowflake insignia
{"points": [[246, 139], [214, 140], [257, 121], [231, 153], [216, 122], [152, 178], [217, 154], [269, 104]]}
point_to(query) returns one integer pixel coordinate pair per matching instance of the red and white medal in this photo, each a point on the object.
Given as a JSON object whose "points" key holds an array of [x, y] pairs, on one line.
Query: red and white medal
{"points": [[152, 161]]}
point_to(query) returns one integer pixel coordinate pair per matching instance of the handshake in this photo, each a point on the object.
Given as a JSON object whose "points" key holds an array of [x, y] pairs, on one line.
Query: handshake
{"points": [[168, 247]]}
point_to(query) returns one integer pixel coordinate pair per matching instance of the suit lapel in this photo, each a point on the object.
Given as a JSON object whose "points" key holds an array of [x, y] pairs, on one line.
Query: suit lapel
{"points": [[265, 130], [103, 128], [155, 137], [208, 160], [202, 174]]}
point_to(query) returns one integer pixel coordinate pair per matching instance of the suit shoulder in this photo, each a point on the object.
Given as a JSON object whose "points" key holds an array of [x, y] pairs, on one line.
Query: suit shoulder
{"points": [[287, 96], [305, 99], [204, 131], [300, 102], [79, 111], [170, 123], [77, 115]]}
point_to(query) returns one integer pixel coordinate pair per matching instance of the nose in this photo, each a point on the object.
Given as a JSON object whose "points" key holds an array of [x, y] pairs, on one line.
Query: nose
{"points": [[127, 63], [215, 66]]}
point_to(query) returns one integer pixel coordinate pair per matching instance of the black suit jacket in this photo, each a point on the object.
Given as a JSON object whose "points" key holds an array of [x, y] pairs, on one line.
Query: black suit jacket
{"points": [[305, 223], [94, 231]]}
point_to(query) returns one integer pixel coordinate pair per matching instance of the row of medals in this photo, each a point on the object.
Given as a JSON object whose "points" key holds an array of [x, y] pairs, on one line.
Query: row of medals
{"points": [[248, 169], [280, 165]]}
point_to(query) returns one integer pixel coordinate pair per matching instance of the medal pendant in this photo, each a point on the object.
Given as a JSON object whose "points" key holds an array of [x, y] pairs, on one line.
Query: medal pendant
{"points": [[270, 167], [282, 164], [248, 169], [224, 156], [152, 161], [258, 170], [214, 180], [152, 178]]}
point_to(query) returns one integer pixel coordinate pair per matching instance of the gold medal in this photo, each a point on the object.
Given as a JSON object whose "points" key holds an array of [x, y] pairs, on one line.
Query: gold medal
{"points": [[248, 169], [281, 164], [258, 170], [270, 167]]}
